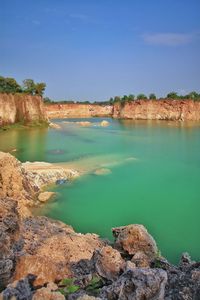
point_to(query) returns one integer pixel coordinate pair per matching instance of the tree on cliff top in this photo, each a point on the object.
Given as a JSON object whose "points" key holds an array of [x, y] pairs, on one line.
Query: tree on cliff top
{"points": [[30, 87], [9, 85]]}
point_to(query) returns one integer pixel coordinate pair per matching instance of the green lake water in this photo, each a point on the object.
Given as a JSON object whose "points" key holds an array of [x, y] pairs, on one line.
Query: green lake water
{"points": [[154, 177]]}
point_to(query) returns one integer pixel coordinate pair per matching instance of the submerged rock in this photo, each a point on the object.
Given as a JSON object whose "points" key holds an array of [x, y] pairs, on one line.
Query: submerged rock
{"points": [[54, 125], [84, 123], [45, 196], [102, 171], [104, 123]]}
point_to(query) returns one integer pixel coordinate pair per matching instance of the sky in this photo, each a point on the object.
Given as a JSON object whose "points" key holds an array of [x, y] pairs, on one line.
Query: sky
{"points": [[96, 49]]}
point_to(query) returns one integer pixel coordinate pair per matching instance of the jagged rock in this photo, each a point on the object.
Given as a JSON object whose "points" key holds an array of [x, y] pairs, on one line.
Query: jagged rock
{"points": [[19, 290], [14, 183], [129, 265], [108, 263], [50, 247], [9, 229], [140, 259], [137, 284], [183, 281], [134, 238]]}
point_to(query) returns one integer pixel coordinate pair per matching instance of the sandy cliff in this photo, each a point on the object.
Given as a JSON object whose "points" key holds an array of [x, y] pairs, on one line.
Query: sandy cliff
{"points": [[21, 108], [78, 110], [182, 110], [158, 110]]}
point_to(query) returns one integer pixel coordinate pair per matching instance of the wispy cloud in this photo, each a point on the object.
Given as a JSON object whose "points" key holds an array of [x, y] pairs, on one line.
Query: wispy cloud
{"points": [[169, 39]]}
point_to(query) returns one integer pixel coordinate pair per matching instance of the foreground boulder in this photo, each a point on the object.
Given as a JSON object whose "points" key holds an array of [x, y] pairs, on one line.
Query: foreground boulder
{"points": [[50, 247], [135, 238]]}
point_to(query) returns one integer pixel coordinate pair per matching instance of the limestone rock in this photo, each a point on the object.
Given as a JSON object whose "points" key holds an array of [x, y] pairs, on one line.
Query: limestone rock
{"points": [[134, 238], [45, 196], [108, 263], [104, 123], [14, 183], [9, 230], [140, 259], [50, 248], [137, 284]]}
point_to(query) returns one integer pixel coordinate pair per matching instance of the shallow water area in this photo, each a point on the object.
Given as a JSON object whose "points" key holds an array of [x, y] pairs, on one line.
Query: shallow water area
{"points": [[153, 177]]}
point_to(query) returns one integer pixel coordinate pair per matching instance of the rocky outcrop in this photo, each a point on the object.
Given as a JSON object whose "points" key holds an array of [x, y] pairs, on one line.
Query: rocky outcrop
{"points": [[175, 110], [23, 181], [134, 240], [42, 174], [15, 184], [78, 110], [21, 108]]}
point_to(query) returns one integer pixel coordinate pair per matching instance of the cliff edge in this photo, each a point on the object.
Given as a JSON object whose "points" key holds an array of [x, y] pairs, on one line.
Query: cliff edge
{"points": [[21, 108]]}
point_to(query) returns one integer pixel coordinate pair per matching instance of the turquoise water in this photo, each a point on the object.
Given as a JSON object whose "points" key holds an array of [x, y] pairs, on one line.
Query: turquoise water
{"points": [[154, 177]]}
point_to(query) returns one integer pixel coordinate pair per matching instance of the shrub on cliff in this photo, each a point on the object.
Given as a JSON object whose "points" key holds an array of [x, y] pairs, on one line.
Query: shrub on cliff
{"points": [[152, 96], [141, 97], [172, 95]]}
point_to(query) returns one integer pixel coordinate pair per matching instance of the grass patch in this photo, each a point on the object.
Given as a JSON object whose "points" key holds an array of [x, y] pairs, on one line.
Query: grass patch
{"points": [[22, 125]]}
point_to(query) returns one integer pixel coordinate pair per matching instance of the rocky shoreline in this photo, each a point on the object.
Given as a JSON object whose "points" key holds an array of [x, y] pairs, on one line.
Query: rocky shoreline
{"points": [[42, 258]]}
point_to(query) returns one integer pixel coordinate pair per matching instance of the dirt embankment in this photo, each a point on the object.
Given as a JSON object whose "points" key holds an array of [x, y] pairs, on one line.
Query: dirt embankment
{"points": [[21, 108]]}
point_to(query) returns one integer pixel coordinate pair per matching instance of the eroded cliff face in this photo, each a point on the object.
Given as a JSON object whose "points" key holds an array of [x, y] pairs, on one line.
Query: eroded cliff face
{"points": [[175, 110], [78, 110], [21, 108]]}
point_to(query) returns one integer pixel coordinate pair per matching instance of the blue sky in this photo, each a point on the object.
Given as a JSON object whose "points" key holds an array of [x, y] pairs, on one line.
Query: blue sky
{"points": [[95, 49]]}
